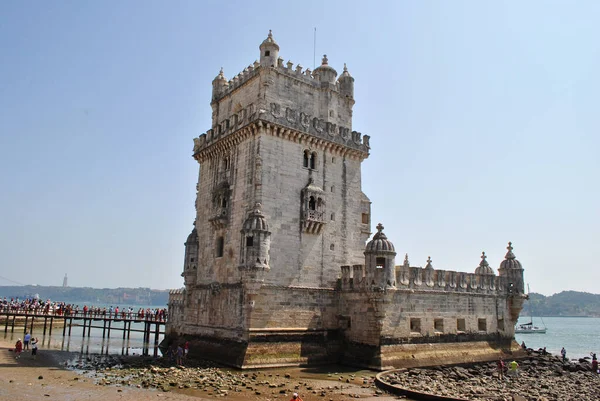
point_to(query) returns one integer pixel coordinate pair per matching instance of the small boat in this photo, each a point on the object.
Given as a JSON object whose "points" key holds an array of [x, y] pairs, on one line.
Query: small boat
{"points": [[529, 328], [526, 328]]}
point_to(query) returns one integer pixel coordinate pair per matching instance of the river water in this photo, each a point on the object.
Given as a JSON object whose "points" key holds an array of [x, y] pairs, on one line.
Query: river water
{"points": [[579, 335]]}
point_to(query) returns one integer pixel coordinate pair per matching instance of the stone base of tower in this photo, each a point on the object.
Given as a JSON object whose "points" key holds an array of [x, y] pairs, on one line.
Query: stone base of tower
{"points": [[396, 356], [265, 348]]}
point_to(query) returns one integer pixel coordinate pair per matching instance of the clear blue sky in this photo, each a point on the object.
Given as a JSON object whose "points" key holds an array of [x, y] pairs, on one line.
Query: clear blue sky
{"points": [[483, 118]]}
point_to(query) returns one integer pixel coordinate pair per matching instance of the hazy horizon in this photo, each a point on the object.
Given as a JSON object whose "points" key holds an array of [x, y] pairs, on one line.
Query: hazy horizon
{"points": [[482, 116]]}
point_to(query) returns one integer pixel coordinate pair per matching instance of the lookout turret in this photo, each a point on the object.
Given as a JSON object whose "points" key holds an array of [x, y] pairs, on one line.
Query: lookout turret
{"points": [[269, 51], [325, 73], [380, 260], [346, 84], [219, 85]]}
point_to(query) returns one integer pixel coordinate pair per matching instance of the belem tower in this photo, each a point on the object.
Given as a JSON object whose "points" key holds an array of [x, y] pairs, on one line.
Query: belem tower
{"points": [[278, 270]]}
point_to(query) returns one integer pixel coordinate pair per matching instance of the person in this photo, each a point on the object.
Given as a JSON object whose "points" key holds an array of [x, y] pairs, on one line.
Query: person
{"points": [[26, 340], [34, 348], [513, 369], [563, 352], [18, 348], [186, 349], [544, 352], [500, 365], [594, 363], [295, 397], [523, 345], [179, 355]]}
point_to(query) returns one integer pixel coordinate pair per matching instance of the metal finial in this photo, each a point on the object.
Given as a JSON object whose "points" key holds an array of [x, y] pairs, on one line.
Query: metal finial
{"points": [[270, 34], [345, 68], [380, 227]]}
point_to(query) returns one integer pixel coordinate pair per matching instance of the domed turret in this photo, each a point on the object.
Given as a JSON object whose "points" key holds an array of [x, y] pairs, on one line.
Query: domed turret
{"points": [[191, 258], [325, 73], [484, 267], [510, 262], [380, 260], [380, 243], [346, 83], [219, 85], [256, 241], [512, 272], [269, 51]]}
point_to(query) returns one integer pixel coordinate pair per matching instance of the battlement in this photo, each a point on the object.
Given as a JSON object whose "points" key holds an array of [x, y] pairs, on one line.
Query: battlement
{"points": [[357, 278], [299, 73]]}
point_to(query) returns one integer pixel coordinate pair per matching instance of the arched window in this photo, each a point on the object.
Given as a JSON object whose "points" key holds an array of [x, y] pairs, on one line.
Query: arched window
{"points": [[311, 203], [305, 158]]}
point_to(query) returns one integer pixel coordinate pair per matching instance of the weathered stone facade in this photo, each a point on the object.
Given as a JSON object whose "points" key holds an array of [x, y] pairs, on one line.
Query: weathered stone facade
{"points": [[276, 270]]}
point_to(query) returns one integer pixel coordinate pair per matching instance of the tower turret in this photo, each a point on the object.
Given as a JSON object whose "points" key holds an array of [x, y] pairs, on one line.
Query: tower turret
{"points": [[325, 73], [346, 84], [511, 269], [219, 85], [269, 51], [484, 267], [256, 242], [191, 258], [380, 260]]}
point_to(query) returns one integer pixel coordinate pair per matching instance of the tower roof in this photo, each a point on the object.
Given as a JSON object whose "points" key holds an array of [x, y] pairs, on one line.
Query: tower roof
{"points": [[193, 237], [429, 265], [510, 262], [484, 266], [380, 243], [269, 42], [325, 66], [220, 76], [345, 74], [256, 220]]}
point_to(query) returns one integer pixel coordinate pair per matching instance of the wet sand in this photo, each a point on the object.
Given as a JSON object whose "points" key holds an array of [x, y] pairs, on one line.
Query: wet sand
{"points": [[20, 380]]}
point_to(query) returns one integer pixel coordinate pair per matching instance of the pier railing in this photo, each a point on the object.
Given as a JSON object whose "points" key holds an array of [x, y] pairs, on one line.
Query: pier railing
{"points": [[152, 324]]}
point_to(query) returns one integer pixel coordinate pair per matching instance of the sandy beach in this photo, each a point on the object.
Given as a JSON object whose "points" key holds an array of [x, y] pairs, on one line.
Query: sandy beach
{"points": [[47, 378]]}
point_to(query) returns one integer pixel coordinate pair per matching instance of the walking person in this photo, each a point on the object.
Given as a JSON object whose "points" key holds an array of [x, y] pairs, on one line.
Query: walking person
{"points": [[513, 369], [34, 348], [563, 352], [26, 340], [179, 355], [18, 348], [594, 363], [500, 365]]}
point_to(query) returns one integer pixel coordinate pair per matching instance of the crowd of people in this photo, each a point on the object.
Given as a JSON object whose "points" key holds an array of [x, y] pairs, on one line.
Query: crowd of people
{"points": [[48, 307]]}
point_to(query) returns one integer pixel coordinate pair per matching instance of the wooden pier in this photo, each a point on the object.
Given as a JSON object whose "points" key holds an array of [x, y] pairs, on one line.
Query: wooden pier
{"points": [[152, 326]]}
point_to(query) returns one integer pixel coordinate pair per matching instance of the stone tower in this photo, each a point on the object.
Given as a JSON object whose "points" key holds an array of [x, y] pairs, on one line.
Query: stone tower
{"points": [[279, 202], [276, 269]]}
